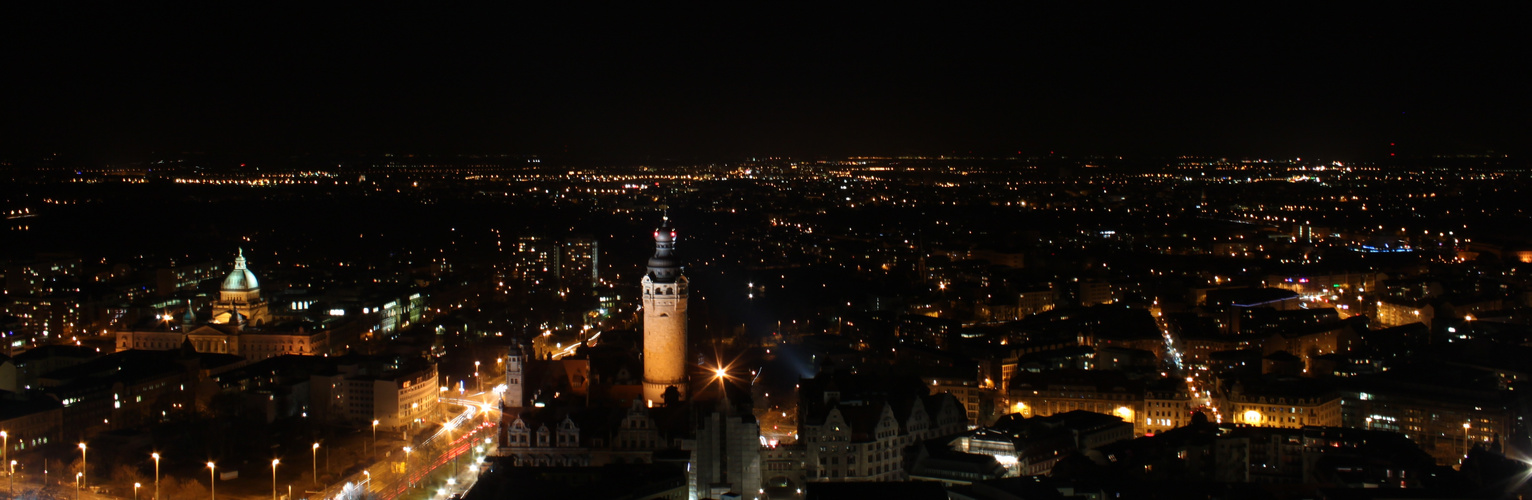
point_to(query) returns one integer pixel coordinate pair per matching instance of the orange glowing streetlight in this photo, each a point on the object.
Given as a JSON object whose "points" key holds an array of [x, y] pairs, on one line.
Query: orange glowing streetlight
{"points": [[156, 456], [316, 464], [84, 466]]}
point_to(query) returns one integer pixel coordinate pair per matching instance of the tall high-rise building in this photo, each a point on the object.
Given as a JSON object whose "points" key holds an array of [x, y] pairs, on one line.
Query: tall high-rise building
{"points": [[665, 294], [727, 456], [535, 267], [579, 264]]}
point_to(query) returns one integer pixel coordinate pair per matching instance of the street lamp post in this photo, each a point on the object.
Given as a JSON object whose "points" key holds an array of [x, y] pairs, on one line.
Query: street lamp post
{"points": [[212, 481], [156, 456], [375, 435], [407, 466], [77, 479], [316, 463], [274, 463], [1466, 427], [368, 482], [12, 475], [5, 453], [84, 466], [135, 490]]}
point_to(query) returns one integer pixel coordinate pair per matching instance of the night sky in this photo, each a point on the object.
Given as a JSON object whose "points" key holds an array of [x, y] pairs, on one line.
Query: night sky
{"points": [[701, 81]]}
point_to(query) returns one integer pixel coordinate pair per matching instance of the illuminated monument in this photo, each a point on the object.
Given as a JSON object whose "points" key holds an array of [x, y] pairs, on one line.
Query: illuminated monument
{"points": [[665, 292], [240, 294]]}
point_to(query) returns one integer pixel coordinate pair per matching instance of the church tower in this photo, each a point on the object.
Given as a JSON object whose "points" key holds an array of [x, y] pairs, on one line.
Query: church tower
{"points": [[189, 320], [665, 292], [514, 378]]}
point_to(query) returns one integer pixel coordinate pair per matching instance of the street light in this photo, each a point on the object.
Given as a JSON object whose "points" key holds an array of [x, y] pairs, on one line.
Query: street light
{"points": [[374, 435], [5, 453], [212, 482], [77, 479], [407, 451], [13, 479], [156, 456], [274, 463], [1466, 426], [368, 482], [135, 490], [84, 466], [316, 464]]}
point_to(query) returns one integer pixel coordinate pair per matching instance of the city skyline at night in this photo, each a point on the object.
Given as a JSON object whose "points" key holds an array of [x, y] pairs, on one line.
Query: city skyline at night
{"points": [[765, 252]]}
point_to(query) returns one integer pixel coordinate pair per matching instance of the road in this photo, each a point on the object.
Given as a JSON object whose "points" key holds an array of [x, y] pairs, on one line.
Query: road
{"points": [[462, 440], [23, 487], [1200, 395]]}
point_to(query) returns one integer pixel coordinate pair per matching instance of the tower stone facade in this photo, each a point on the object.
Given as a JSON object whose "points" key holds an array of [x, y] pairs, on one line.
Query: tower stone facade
{"points": [[665, 292], [515, 381]]}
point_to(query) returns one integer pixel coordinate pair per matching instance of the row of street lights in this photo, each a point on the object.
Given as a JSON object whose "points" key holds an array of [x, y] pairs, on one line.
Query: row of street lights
{"points": [[212, 478], [82, 480]]}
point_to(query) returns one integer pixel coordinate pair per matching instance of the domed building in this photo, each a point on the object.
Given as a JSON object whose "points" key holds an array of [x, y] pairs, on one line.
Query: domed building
{"points": [[241, 294], [241, 325]]}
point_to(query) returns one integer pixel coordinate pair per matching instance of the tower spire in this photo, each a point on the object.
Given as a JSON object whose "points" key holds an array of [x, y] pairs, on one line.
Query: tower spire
{"points": [[664, 267]]}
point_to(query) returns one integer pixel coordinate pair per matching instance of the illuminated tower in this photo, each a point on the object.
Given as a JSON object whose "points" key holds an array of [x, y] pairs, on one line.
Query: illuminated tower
{"points": [[513, 378], [665, 295]]}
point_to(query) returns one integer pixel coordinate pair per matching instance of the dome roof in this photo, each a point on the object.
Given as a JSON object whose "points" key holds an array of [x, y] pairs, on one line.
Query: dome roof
{"points": [[240, 279], [664, 267]]}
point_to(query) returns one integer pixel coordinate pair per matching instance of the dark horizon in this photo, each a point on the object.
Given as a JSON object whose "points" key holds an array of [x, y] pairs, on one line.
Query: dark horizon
{"points": [[1355, 84]]}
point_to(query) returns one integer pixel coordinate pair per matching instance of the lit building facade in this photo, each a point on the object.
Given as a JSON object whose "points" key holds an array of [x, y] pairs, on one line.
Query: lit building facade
{"points": [[398, 398], [579, 265], [230, 339], [1051, 393], [1165, 408], [1281, 409], [535, 264], [530, 443], [1393, 313], [867, 441]]}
